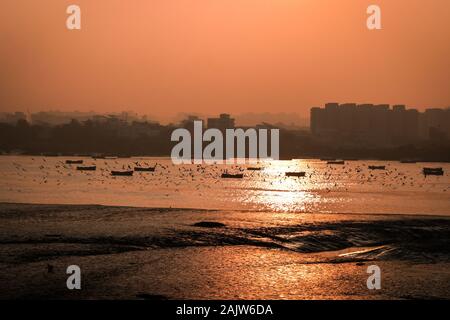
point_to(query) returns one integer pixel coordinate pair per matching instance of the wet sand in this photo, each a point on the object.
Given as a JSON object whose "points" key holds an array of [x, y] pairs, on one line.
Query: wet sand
{"points": [[140, 253]]}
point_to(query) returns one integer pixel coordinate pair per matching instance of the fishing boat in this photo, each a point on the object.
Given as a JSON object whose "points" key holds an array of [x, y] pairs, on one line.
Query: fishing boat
{"points": [[144, 169], [232, 176], [88, 168], [295, 174], [74, 161], [122, 173], [336, 162], [377, 167], [433, 171]]}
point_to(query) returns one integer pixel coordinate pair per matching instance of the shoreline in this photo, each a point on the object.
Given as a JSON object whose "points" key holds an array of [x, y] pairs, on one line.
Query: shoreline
{"points": [[261, 211], [282, 158]]}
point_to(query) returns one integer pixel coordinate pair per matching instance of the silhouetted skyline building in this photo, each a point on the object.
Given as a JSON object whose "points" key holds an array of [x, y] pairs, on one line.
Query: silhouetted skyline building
{"points": [[188, 123], [12, 118], [222, 123], [378, 125]]}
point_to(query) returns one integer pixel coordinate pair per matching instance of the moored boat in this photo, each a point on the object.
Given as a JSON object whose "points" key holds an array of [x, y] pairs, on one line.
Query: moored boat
{"points": [[295, 174], [87, 168], [433, 171], [336, 162], [377, 167], [122, 173], [74, 161], [144, 169], [232, 176]]}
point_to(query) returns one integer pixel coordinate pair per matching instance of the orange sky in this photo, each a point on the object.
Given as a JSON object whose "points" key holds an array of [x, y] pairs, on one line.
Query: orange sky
{"points": [[163, 57]]}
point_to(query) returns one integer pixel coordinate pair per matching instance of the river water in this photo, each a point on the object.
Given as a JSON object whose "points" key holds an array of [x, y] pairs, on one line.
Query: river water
{"points": [[349, 188]]}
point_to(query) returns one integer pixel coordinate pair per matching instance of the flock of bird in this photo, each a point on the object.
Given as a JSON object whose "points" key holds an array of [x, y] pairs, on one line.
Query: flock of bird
{"points": [[173, 178]]}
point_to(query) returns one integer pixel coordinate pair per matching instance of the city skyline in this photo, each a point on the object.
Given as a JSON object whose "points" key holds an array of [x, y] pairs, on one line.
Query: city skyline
{"points": [[346, 130], [54, 117]]}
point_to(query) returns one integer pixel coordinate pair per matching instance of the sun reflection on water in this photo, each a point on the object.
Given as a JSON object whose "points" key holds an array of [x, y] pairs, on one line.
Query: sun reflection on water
{"points": [[280, 193], [352, 187]]}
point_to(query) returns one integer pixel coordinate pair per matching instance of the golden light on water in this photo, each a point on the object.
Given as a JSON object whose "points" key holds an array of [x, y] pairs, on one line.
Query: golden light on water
{"points": [[324, 189], [280, 193]]}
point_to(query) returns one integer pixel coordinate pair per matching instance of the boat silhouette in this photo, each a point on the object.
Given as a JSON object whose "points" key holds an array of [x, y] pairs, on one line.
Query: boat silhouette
{"points": [[144, 169], [433, 171], [232, 176], [295, 174], [87, 168], [74, 161], [336, 162], [122, 173], [377, 167]]}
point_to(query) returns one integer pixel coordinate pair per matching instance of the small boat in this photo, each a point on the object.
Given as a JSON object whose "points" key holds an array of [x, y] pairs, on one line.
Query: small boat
{"points": [[89, 168], [295, 174], [336, 162], [254, 169], [74, 161], [433, 171], [144, 169], [377, 167], [232, 176], [122, 173]]}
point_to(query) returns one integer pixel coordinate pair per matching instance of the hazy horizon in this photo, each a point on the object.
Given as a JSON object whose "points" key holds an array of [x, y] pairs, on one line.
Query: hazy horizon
{"points": [[166, 58]]}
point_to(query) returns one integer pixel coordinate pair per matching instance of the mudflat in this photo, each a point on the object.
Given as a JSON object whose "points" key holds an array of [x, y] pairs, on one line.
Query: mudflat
{"points": [[153, 253]]}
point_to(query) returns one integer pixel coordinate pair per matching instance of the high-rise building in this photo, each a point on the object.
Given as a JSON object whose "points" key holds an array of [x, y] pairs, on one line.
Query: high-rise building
{"points": [[378, 125]]}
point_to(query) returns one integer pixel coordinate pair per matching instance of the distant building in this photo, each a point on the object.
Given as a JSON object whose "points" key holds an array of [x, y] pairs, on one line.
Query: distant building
{"points": [[189, 123], [53, 118], [12, 118], [436, 124], [141, 129], [222, 123], [112, 121], [378, 125]]}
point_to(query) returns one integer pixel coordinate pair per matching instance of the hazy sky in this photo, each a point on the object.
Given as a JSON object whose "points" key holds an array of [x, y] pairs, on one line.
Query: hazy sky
{"points": [[163, 57]]}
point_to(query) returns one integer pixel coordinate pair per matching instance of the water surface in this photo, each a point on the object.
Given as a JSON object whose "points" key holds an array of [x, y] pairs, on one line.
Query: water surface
{"points": [[349, 188]]}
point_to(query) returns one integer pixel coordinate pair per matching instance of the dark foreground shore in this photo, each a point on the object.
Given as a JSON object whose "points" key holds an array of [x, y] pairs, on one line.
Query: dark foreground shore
{"points": [[136, 253]]}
